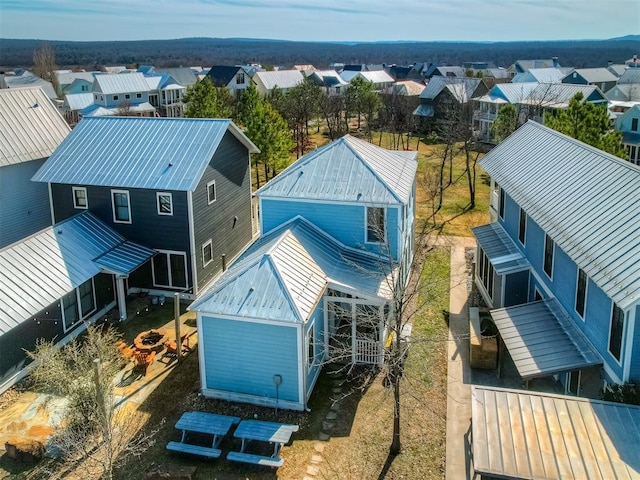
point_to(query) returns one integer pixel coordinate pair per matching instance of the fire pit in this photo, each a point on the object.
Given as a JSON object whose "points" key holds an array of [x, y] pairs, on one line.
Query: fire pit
{"points": [[151, 340]]}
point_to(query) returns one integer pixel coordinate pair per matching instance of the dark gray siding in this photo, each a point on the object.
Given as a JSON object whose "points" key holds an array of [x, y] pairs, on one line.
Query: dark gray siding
{"points": [[160, 232], [230, 170], [24, 205]]}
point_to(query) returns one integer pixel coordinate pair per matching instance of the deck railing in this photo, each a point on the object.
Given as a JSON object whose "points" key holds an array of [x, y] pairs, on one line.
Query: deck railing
{"points": [[368, 352]]}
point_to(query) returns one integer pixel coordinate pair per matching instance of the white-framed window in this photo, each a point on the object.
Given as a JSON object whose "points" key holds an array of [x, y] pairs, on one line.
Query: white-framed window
{"points": [[547, 264], [207, 253], [127, 96], [169, 269], [211, 192], [240, 79], [138, 95], [616, 332], [164, 203], [485, 272], [311, 347], [79, 197], [78, 305], [375, 225], [121, 206], [522, 226], [115, 97], [634, 124], [581, 293]]}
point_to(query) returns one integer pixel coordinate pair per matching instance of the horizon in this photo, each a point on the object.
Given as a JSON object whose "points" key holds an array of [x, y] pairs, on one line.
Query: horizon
{"points": [[362, 21]]}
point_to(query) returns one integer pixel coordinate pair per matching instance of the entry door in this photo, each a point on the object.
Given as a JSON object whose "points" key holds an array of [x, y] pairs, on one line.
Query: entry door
{"points": [[170, 270]]}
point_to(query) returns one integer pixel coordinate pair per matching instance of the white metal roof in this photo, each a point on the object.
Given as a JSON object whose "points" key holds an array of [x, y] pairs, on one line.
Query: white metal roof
{"points": [[99, 111], [31, 127], [66, 78], [376, 76], [78, 101], [531, 435], [350, 170], [120, 83], [586, 200], [28, 80], [138, 152], [280, 78]]}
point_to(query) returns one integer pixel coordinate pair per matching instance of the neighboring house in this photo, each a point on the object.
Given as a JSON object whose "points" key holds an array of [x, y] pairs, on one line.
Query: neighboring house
{"points": [[630, 76], [379, 78], [541, 75], [633, 62], [522, 66], [401, 73], [319, 281], [166, 94], [449, 71], [182, 76], [234, 78], [617, 69], [284, 80], [118, 94], [442, 94], [329, 80], [75, 82], [31, 128], [406, 88], [622, 97], [599, 77], [560, 262], [74, 104], [497, 75], [628, 124], [179, 186], [26, 79], [54, 281]]}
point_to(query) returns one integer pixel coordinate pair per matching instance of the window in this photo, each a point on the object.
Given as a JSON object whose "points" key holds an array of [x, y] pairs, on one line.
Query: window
{"points": [[311, 353], [127, 96], [501, 204], [485, 272], [581, 292], [240, 79], [522, 227], [207, 253], [121, 206], [634, 124], [548, 255], [615, 334], [537, 295], [169, 269], [375, 224], [70, 310], [115, 97], [78, 305], [79, 197], [138, 95], [95, 97], [165, 203], [211, 192], [87, 299]]}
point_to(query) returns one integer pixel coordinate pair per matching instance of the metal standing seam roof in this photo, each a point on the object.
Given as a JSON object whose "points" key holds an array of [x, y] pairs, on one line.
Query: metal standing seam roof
{"points": [[136, 152], [29, 80], [39, 270], [409, 88], [438, 83], [583, 198], [280, 78], [284, 274], [67, 78], [376, 76], [630, 75], [594, 74], [424, 111], [626, 92], [542, 339], [347, 169], [184, 76], [118, 83], [510, 92], [500, 249], [531, 435], [31, 128], [95, 110], [78, 101], [558, 95]]}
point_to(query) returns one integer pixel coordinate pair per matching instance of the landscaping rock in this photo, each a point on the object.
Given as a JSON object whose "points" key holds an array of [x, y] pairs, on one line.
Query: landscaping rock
{"points": [[332, 415], [327, 425], [312, 470], [26, 451], [315, 459], [171, 472], [323, 436], [319, 447]]}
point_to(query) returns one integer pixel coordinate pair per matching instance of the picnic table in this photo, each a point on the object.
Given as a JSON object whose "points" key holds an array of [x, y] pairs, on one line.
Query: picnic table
{"points": [[201, 422], [275, 433]]}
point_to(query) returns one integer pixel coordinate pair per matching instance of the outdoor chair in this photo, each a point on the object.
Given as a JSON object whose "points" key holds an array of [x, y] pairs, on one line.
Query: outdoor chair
{"points": [[142, 361]]}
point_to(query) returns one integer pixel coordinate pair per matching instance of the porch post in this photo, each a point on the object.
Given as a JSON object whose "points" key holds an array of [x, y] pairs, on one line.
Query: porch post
{"points": [[354, 341], [381, 335], [122, 297]]}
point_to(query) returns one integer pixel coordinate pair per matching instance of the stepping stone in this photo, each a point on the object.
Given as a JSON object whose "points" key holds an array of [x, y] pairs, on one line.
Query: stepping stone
{"points": [[338, 382], [319, 447], [337, 390], [313, 470], [323, 437], [335, 406], [327, 425], [332, 415], [317, 459]]}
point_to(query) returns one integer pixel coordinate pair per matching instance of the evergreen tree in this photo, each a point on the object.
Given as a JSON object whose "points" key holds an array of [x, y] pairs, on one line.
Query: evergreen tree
{"points": [[588, 123], [248, 102], [206, 101], [505, 123]]}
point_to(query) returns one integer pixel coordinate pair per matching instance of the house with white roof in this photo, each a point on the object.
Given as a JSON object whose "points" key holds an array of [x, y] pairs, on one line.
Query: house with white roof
{"points": [[118, 94], [284, 80]]}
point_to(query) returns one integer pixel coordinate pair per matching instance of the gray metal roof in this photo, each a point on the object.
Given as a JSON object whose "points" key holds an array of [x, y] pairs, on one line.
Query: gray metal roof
{"points": [[349, 170], [136, 152], [95, 110], [120, 83], [280, 78], [531, 435], [31, 128], [39, 270], [630, 75], [182, 75], [465, 89], [594, 75], [510, 92], [78, 101], [586, 200], [376, 76], [542, 339], [284, 274], [500, 249]]}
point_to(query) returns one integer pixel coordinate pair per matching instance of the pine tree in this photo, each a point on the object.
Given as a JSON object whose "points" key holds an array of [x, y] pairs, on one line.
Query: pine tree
{"points": [[505, 123], [206, 101]]}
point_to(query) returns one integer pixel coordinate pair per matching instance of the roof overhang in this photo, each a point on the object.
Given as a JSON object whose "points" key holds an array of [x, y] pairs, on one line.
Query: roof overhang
{"points": [[543, 340], [501, 251], [124, 258]]}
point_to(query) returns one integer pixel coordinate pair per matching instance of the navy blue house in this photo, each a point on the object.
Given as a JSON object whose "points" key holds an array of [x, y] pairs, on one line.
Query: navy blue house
{"points": [[560, 262]]}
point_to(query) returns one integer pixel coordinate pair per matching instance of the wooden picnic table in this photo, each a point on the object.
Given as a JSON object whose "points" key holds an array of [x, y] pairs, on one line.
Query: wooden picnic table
{"points": [[202, 422], [276, 433]]}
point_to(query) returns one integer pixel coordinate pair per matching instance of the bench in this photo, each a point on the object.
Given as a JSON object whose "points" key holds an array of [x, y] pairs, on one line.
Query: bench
{"points": [[194, 449], [255, 459]]}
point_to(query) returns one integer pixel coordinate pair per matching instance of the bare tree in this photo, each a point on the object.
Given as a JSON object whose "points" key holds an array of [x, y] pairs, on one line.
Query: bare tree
{"points": [[44, 65], [332, 108]]}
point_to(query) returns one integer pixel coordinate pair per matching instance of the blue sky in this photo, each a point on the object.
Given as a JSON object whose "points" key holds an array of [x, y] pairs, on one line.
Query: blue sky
{"points": [[323, 20]]}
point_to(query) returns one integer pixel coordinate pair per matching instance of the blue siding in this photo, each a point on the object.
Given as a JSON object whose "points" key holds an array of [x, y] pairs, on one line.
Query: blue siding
{"points": [[346, 223], [634, 376], [233, 364], [317, 323], [24, 205]]}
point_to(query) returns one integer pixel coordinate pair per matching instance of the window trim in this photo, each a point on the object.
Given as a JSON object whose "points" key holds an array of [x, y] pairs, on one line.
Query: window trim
{"points": [[167, 253], [544, 256], [127, 96], [582, 315], [116, 97], [634, 124], [205, 263], [161, 194], [383, 234], [86, 200], [81, 315], [138, 95], [113, 206], [622, 333], [522, 227], [212, 183]]}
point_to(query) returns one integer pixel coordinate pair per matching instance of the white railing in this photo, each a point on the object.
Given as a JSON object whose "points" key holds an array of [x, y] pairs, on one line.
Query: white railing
{"points": [[369, 352]]}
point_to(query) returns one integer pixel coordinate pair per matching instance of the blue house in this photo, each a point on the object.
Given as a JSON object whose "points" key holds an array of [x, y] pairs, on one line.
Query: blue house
{"points": [[629, 124], [336, 239], [560, 262]]}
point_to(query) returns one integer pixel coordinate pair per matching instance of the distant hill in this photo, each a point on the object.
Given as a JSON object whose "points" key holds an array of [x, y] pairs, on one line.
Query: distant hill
{"points": [[221, 51]]}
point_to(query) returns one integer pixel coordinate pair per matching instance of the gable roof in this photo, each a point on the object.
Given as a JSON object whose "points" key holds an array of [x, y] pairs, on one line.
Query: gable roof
{"points": [[617, 68], [462, 88], [120, 83], [78, 101], [583, 198], [631, 75], [347, 170], [283, 275], [549, 95], [182, 75], [221, 75], [67, 78], [31, 128], [509, 92], [138, 152], [450, 71], [28, 80], [280, 78], [327, 78], [541, 75], [524, 65], [593, 75], [409, 88], [626, 92], [40, 269], [376, 76]]}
